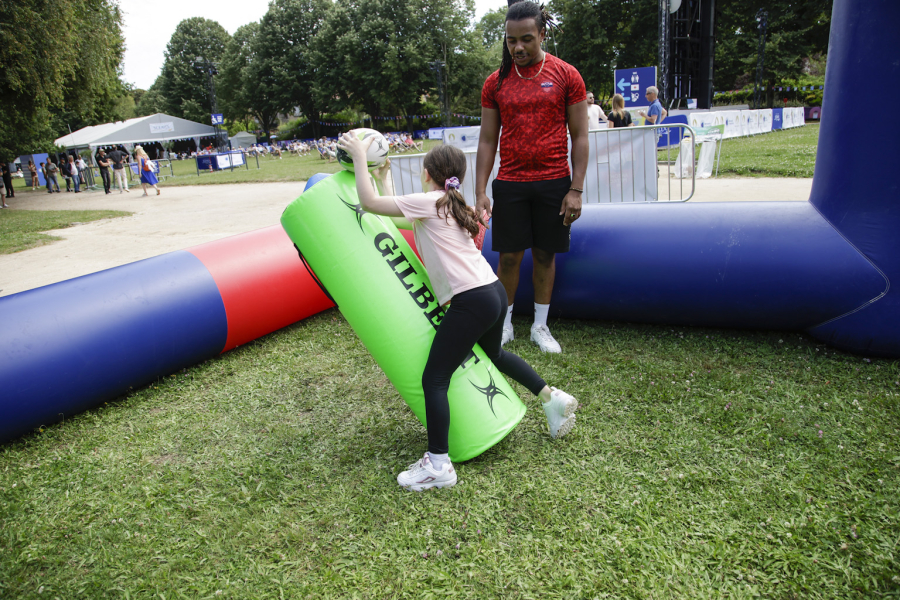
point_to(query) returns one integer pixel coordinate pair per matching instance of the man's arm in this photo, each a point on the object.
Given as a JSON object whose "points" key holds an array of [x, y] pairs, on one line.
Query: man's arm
{"points": [[484, 159], [578, 129]]}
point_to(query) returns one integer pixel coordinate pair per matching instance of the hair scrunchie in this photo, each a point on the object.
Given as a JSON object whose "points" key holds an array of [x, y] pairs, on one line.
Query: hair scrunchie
{"points": [[451, 182]]}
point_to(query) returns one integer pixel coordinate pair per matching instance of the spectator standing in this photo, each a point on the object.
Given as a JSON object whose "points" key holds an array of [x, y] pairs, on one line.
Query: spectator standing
{"points": [[119, 159], [656, 113], [73, 171], [535, 97], [46, 177], [82, 167], [596, 118], [145, 167], [618, 116], [64, 169], [34, 178], [7, 183], [52, 171], [103, 163]]}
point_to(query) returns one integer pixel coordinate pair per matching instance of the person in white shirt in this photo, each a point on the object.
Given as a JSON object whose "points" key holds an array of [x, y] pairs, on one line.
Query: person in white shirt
{"points": [[82, 166], [596, 118], [444, 228]]}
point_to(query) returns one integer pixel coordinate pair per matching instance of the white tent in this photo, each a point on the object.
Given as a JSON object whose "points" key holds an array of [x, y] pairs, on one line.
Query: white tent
{"points": [[242, 139], [155, 128]]}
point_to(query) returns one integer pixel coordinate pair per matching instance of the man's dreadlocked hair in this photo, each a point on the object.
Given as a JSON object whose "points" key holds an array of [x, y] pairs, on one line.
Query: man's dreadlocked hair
{"points": [[519, 10]]}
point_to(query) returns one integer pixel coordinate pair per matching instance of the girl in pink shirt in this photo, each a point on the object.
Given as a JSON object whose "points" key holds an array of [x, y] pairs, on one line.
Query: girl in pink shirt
{"points": [[444, 228]]}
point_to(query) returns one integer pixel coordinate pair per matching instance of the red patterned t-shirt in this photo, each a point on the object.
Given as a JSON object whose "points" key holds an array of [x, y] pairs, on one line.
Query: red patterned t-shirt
{"points": [[534, 144]]}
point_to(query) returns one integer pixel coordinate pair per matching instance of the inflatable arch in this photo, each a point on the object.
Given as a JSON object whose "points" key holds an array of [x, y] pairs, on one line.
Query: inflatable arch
{"points": [[824, 267]]}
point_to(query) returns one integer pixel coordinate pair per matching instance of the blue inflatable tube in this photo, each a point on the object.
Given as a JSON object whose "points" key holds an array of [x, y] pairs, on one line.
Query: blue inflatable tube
{"points": [[70, 345], [774, 265]]}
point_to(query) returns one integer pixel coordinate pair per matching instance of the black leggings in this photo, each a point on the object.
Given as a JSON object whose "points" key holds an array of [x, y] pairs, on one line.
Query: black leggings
{"points": [[474, 316]]}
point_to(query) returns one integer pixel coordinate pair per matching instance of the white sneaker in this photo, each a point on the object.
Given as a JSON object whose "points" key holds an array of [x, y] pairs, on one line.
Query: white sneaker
{"points": [[540, 335], [560, 411], [422, 475], [508, 335]]}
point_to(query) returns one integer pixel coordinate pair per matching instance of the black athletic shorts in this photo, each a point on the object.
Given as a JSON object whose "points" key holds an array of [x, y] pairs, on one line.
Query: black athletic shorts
{"points": [[526, 215]]}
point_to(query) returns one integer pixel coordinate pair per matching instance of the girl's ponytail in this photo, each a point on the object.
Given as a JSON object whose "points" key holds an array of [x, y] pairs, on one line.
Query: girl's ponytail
{"points": [[454, 204], [447, 167]]}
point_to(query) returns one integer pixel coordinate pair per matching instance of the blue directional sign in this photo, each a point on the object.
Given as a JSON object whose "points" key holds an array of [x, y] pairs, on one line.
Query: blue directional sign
{"points": [[217, 119], [633, 84]]}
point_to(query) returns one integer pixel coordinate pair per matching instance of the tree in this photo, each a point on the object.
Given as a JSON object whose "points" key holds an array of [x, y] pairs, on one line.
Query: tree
{"points": [[56, 54], [492, 27], [151, 101], [797, 30], [287, 31], [246, 83], [196, 45], [375, 54], [476, 55], [598, 37]]}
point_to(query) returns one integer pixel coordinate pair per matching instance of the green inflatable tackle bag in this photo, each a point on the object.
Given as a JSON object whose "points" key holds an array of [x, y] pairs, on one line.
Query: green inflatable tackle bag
{"points": [[381, 288]]}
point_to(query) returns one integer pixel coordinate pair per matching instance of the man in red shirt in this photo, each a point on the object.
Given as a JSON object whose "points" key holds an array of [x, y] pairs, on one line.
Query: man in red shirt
{"points": [[534, 96]]}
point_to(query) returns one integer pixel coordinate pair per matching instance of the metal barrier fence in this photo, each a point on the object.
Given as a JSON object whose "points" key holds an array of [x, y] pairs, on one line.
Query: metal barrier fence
{"points": [[623, 166]]}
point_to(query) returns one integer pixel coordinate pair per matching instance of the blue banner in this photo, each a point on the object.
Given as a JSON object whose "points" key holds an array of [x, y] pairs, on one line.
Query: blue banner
{"points": [[777, 118]]}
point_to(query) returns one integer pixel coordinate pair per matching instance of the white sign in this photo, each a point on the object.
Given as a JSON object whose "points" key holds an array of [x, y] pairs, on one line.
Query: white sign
{"points": [[465, 138], [225, 161], [162, 127]]}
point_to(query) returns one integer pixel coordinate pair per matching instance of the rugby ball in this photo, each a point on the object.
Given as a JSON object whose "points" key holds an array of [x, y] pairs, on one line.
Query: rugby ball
{"points": [[376, 155]]}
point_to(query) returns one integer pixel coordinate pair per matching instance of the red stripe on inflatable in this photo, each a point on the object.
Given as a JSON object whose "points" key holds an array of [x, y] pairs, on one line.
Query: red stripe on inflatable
{"points": [[410, 238], [263, 283]]}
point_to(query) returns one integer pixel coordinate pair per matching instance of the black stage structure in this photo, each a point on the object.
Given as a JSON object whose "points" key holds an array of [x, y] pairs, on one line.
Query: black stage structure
{"points": [[686, 51]]}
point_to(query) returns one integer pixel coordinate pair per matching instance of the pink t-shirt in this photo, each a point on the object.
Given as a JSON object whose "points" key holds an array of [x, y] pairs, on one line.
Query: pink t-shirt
{"points": [[454, 263]]}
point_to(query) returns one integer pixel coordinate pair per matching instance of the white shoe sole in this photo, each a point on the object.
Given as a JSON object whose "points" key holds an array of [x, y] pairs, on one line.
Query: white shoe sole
{"points": [[507, 338], [427, 486]]}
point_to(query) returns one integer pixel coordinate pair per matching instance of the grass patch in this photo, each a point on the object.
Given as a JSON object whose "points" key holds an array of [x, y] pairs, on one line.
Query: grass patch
{"points": [[289, 168], [780, 153], [705, 464], [21, 229]]}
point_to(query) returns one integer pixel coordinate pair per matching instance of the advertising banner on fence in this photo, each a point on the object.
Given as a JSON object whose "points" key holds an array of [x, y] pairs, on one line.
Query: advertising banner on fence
{"points": [[465, 138]]}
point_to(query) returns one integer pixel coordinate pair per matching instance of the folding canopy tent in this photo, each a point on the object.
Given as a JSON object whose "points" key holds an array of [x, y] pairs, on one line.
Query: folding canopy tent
{"points": [[154, 128], [242, 140]]}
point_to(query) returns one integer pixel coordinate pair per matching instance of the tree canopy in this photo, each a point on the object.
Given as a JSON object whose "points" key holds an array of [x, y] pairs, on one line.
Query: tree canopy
{"points": [[40, 83], [197, 45]]}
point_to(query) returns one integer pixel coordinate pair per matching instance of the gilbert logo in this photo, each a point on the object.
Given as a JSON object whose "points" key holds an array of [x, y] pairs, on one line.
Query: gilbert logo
{"points": [[422, 296], [360, 213], [490, 392]]}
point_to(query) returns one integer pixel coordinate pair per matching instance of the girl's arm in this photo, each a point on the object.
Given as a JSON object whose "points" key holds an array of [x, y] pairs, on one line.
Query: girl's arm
{"points": [[379, 205], [381, 183]]}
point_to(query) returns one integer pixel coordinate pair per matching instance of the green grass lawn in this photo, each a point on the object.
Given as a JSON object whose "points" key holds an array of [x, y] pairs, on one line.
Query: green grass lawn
{"points": [[782, 153], [705, 464], [21, 229]]}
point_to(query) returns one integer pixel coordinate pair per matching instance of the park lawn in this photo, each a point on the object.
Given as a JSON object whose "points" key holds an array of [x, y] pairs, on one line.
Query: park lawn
{"points": [[21, 229], [706, 463], [289, 168], [780, 153]]}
